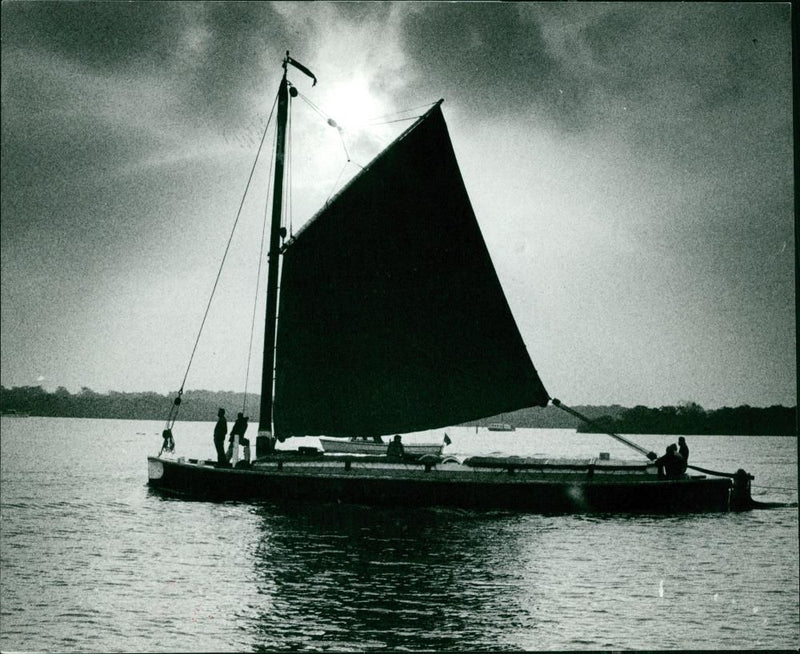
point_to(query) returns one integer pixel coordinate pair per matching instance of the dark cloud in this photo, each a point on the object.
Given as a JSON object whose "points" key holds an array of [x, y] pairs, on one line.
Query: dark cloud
{"points": [[238, 62], [47, 167], [488, 51], [356, 12], [71, 114], [634, 65], [104, 35], [711, 53], [215, 56]]}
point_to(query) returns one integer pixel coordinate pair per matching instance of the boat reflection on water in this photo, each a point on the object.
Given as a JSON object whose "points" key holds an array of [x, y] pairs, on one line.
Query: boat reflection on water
{"points": [[355, 577]]}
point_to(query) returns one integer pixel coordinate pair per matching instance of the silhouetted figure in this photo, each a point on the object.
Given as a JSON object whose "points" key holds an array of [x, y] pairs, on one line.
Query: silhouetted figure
{"points": [[169, 442], [672, 464], [220, 430], [683, 448], [238, 429], [395, 449], [377, 439]]}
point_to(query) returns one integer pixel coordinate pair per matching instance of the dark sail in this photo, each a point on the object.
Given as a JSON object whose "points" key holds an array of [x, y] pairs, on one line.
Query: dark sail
{"points": [[392, 318]]}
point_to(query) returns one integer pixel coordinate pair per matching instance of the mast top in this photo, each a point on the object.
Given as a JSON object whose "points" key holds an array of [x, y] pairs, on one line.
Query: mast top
{"points": [[299, 67]]}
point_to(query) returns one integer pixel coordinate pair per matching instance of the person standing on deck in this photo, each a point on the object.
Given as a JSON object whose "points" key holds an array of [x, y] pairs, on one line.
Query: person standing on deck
{"points": [[220, 430], [238, 429], [683, 449]]}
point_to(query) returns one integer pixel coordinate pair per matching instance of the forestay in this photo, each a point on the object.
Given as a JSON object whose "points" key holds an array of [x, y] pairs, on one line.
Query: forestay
{"points": [[392, 318]]}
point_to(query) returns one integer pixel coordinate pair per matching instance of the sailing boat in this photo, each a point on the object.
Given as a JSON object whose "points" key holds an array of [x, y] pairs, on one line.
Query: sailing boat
{"points": [[392, 320]]}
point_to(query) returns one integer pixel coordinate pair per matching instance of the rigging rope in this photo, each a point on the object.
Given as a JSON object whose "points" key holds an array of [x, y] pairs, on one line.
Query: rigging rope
{"points": [[636, 447], [312, 105], [396, 120], [373, 122], [173, 414], [344, 145], [330, 122], [336, 183], [258, 282], [287, 215], [649, 455], [402, 111]]}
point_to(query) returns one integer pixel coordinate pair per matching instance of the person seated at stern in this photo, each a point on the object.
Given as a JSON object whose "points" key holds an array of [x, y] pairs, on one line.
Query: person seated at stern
{"points": [[395, 449], [672, 465]]}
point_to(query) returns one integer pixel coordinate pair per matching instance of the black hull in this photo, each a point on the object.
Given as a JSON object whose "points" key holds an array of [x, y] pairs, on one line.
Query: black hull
{"points": [[469, 489]]}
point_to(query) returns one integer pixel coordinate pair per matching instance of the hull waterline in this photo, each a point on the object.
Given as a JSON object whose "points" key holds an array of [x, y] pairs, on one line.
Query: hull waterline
{"points": [[450, 485]]}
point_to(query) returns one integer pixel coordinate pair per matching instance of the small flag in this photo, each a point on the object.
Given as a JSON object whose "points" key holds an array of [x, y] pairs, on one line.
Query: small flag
{"points": [[447, 440], [303, 69]]}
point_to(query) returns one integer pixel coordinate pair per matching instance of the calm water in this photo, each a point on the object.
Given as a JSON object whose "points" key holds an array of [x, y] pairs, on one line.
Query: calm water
{"points": [[94, 561]]}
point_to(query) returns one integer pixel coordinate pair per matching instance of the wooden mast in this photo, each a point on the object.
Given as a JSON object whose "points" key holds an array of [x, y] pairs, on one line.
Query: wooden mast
{"points": [[265, 441]]}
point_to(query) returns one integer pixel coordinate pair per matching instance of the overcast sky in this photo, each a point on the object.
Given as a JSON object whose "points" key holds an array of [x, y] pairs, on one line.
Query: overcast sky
{"points": [[630, 166]]}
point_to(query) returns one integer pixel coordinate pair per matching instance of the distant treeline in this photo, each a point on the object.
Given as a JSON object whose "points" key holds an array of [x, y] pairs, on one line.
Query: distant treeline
{"points": [[195, 405], [689, 418]]}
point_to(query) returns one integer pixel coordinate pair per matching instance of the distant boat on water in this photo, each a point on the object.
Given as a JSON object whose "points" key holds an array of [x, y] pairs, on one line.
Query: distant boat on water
{"points": [[392, 320], [501, 426]]}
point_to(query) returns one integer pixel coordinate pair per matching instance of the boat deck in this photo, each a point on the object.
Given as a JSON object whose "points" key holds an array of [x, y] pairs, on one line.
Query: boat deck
{"points": [[539, 485], [516, 469], [511, 470]]}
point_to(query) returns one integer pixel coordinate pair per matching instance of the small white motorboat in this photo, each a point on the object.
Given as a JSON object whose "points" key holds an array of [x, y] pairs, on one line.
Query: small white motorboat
{"points": [[370, 446]]}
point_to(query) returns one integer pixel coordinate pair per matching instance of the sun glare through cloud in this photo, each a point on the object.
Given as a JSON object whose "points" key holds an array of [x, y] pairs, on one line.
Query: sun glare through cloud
{"points": [[347, 129], [352, 106]]}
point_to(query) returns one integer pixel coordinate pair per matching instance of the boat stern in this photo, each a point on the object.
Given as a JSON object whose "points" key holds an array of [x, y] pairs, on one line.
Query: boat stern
{"points": [[741, 500]]}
